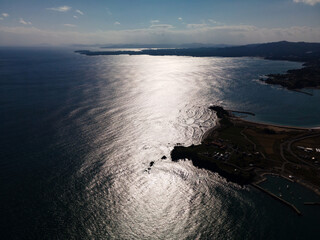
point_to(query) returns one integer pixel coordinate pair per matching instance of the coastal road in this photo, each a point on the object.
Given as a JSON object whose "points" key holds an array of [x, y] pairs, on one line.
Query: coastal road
{"points": [[289, 149]]}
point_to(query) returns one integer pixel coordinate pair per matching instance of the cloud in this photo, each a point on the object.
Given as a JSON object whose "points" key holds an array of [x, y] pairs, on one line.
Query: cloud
{"points": [[24, 22], [80, 12], [309, 2], [197, 25], [5, 15], [161, 26], [76, 17], [180, 18], [60, 9], [117, 23], [154, 21], [1, 18], [214, 22], [69, 25], [234, 35]]}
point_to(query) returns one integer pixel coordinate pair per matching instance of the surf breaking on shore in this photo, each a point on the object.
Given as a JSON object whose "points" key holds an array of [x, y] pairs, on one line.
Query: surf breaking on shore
{"points": [[244, 151]]}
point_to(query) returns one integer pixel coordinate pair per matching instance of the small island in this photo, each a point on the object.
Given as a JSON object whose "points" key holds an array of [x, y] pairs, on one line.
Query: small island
{"points": [[243, 151]]}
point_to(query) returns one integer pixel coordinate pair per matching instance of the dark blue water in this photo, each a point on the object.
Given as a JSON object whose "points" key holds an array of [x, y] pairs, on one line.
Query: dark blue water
{"points": [[77, 135]]}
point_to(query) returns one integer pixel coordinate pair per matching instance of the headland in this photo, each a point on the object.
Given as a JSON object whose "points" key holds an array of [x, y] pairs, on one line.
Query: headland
{"points": [[296, 79], [243, 151]]}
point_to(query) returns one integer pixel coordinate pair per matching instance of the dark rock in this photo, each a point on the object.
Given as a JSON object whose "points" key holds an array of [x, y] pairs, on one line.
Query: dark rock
{"points": [[306, 77], [181, 153], [220, 111]]}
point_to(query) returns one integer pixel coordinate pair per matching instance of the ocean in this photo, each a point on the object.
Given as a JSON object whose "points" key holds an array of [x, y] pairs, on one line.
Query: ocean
{"points": [[78, 134]]}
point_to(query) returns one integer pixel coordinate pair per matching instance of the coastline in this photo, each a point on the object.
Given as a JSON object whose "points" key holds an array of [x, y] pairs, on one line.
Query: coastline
{"points": [[296, 80], [254, 172], [275, 125], [257, 169]]}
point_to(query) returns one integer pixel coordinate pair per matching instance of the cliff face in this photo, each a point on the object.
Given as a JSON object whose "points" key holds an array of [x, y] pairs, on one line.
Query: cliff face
{"points": [[202, 155], [192, 153]]}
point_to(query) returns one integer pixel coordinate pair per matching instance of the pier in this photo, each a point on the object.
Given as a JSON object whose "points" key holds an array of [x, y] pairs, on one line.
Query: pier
{"points": [[243, 112]]}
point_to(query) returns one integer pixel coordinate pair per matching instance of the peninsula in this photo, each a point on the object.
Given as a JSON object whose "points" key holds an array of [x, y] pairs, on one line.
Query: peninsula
{"points": [[306, 77], [243, 151], [308, 53]]}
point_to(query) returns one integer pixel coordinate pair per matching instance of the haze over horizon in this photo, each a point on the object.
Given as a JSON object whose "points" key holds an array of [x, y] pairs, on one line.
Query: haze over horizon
{"points": [[30, 23]]}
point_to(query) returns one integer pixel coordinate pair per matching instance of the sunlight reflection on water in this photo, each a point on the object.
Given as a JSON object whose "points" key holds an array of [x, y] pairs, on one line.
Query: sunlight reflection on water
{"points": [[152, 103], [111, 116]]}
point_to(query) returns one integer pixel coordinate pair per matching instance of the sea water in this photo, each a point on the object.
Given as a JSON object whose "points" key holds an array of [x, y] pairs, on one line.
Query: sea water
{"points": [[78, 133]]}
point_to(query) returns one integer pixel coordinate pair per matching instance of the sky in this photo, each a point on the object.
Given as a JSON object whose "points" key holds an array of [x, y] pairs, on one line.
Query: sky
{"points": [[235, 22]]}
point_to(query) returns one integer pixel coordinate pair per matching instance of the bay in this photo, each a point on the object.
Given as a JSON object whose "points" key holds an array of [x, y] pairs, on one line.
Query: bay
{"points": [[78, 134]]}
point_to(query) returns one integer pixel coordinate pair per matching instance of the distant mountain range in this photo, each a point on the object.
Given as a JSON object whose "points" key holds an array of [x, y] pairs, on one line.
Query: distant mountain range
{"points": [[132, 45], [186, 45], [292, 51]]}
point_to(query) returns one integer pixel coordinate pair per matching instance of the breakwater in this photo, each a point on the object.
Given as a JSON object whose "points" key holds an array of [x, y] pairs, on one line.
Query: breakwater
{"points": [[293, 207]]}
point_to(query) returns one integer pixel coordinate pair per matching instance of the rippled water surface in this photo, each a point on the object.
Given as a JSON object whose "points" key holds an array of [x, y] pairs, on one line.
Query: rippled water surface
{"points": [[78, 134]]}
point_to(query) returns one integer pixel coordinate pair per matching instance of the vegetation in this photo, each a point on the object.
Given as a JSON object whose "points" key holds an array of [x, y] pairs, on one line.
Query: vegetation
{"points": [[307, 77], [242, 151]]}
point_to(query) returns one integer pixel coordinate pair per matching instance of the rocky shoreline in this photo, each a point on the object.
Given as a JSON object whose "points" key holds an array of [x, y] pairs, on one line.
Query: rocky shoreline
{"points": [[181, 152], [200, 161], [243, 151], [296, 79]]}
